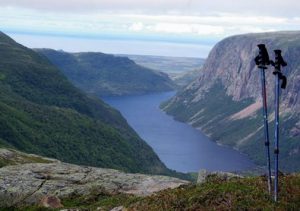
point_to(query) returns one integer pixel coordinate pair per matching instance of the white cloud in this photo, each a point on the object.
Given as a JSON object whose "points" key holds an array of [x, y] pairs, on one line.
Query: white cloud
{"points": [[186, 28], [220, 25], [176, 27], [170, 28], [288, 8], [136, 26]]}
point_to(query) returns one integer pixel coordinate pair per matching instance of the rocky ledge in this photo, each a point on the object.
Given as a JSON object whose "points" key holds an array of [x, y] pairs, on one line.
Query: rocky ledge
{"points": [[46, 183]]}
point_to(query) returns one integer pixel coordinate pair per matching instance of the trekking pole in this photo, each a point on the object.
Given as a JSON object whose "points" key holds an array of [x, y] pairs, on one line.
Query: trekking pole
{"points": [[278, 76], [262, 60]]}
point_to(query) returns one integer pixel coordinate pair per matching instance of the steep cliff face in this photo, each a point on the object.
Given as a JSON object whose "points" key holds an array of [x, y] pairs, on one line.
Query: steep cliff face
{"points": [[231, 62], [225, 101]]}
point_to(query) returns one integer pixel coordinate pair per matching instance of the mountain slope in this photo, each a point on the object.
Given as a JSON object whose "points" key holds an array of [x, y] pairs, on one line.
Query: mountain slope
{"points": [[41, 112], [225, 101], [182, 80], [103, 74]]}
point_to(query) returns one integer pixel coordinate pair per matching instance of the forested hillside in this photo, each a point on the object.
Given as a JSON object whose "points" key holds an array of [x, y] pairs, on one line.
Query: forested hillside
{"points": [[41, 112], [105, 75]]}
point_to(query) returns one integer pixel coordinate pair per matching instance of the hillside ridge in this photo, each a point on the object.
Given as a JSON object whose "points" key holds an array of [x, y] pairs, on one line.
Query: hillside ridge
{"points": [[108, 75], [225, 100]]}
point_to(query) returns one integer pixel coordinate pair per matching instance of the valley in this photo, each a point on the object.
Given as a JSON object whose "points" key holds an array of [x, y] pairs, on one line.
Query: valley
{"points": [[41, 112], [54, 104], [129, 105], [179, 146]]}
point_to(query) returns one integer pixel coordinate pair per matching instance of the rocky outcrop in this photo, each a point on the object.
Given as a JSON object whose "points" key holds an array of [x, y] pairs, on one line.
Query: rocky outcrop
{"points": [[203, 175], [47, 183], [225, 100]]}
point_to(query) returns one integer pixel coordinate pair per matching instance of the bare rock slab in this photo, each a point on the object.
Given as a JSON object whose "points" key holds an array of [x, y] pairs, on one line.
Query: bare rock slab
{"points": [[46, 183]]}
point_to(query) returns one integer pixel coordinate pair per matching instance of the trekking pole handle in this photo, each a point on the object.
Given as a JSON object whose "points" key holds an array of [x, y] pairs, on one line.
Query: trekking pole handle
{"points": [[262, 59], [279, 62]]}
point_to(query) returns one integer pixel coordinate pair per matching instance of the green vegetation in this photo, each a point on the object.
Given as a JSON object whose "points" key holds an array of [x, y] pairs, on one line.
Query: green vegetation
{"points": [[235, 194], [217, 107], [41, 112], [102, 74], [215, 194], [22, 158], [104, 200], [288, 161], [212, 111], [186, 78]]}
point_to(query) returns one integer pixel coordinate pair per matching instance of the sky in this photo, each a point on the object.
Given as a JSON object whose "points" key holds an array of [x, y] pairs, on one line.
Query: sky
{"points": [[148, 27]]}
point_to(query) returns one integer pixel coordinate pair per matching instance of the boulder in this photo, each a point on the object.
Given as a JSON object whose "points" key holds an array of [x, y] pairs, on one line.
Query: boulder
{"points": [[51, 202]]}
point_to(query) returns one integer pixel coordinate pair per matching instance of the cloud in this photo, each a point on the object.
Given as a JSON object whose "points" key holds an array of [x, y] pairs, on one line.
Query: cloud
{"points": [[185, 28], [170, 27], [259, 7], [185, 22], [95, 24], [136, 26]]}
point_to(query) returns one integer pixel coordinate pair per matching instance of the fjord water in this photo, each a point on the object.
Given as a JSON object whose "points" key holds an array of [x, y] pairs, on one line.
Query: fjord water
{"points": [[178, 145]]}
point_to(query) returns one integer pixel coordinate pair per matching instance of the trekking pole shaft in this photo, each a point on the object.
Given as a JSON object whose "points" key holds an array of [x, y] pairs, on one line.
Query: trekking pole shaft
{"points": [[276, 137], [266, 127]]}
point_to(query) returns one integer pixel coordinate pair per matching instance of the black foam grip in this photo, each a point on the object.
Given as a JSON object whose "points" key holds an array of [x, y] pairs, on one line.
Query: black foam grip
{"points": [[284, 81]]}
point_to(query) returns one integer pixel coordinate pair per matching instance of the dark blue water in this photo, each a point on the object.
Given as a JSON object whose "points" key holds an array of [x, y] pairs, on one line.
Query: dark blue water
{"points": [[179, 146]]}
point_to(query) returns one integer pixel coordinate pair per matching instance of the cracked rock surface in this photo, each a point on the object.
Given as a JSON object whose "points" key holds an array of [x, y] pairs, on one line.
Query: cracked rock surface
{"points": [[28, 184]]}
